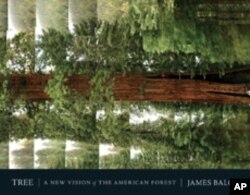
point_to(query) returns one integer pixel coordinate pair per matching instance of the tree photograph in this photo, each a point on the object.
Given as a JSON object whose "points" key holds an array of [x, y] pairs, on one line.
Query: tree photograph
{"points": [[124, 84]]}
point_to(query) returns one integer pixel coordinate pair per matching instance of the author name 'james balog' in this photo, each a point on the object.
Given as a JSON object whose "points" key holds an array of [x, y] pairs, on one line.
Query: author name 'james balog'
{"points": [[207, 182]]}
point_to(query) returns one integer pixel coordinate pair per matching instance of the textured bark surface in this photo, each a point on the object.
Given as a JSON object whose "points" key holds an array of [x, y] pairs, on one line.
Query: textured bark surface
{"points": [[139, 88]]}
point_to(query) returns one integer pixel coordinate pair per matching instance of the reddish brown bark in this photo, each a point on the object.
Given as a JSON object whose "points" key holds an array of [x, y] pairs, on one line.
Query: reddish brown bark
{"points": [[139, 88]]}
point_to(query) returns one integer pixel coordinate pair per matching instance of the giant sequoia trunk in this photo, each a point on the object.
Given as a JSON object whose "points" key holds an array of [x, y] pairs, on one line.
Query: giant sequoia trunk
{"points": [[139, 88]]}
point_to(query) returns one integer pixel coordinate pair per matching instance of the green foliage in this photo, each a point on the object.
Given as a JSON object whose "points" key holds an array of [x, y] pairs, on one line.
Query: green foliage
{"points": [[4, 96], [204, 133], [102, 90], [5, 127], [52, 50], [106, 46], [57, 90], [21, 53], [70, 120], [113, 47], [20, 127], [15, 127], [3, 60], [114, 128], [240, 42], [169, 26], [98, 64]]}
